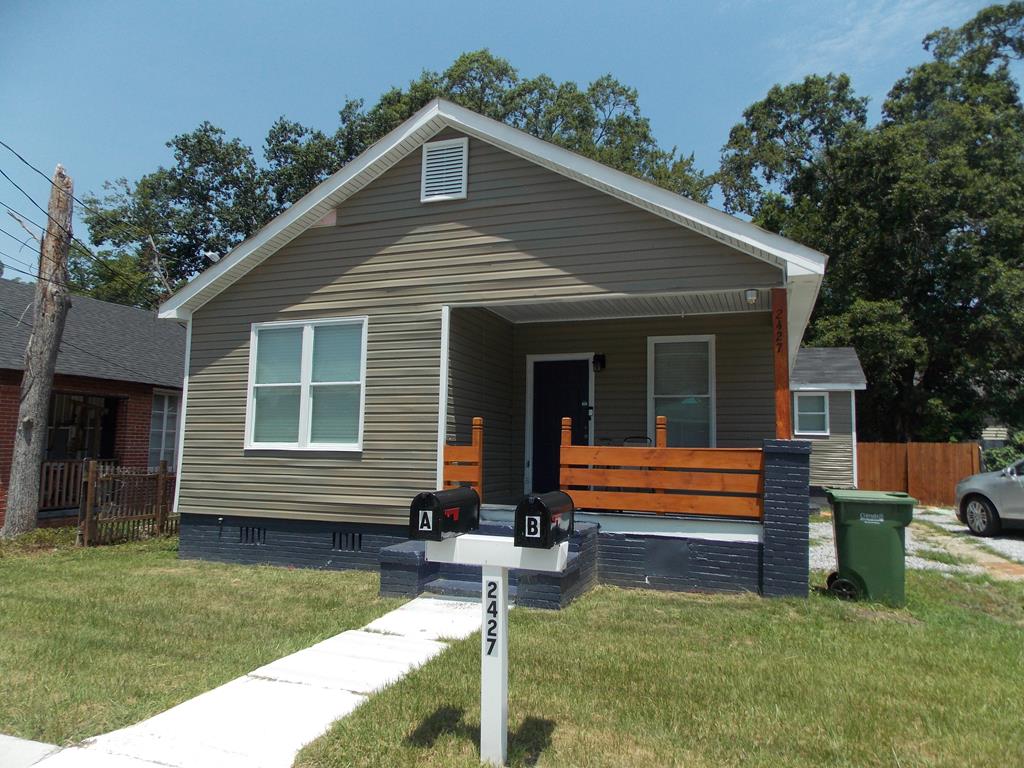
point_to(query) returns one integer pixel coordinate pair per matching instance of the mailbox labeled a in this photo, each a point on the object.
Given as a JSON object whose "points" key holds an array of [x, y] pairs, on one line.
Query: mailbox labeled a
{"points": [[543, 520], [434, 515]]}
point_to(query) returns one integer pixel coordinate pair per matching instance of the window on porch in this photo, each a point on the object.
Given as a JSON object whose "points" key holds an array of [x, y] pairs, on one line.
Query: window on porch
{"points": [[680, 376]]}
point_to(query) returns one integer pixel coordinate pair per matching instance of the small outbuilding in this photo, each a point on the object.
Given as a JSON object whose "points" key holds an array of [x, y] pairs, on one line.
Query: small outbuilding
{"points": [[824, 383]]}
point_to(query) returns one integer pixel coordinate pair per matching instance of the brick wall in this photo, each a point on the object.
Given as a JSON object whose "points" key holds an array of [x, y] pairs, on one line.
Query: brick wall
{"points": [[131, 444]]}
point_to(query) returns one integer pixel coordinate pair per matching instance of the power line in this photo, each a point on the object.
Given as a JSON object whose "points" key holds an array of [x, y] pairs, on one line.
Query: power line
{"points": [[137, 230], [87, 253], [144, 377]]}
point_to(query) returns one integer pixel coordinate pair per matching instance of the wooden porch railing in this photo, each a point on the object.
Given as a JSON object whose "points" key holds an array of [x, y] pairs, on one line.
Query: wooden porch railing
{"points": [[60, 483], [725, 482], [464, 464]]}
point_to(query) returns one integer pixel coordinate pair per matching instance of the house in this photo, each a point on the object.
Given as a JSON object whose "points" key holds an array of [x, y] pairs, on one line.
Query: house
{"points": [[825, 381], [461, 268], [116, 392]]}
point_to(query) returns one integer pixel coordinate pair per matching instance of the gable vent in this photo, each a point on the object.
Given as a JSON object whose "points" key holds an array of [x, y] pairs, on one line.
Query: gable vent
{"points": [[444, 170]]}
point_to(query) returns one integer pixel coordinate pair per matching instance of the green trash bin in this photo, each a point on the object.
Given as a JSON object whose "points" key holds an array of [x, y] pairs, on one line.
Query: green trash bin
{"points": [[870, 544]]}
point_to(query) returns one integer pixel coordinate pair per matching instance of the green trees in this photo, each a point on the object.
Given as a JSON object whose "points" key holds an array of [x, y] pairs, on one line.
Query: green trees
{"points": [[923, 218], [922, 213], [157, 232]]}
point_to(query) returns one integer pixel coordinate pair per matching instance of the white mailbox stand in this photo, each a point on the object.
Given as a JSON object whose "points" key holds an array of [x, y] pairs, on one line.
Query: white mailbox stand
{"points": [[496, 554]]}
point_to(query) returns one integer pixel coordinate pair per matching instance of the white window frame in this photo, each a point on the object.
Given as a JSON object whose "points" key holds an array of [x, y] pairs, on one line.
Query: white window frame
{"points": [[305, 384], [163, 432], [463, 193], [652, 342], [796, 415]]}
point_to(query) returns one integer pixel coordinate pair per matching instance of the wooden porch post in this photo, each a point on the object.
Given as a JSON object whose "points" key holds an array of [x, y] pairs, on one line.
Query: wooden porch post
{"points": [[780, 350], [566, 441], [478, 444], [661, 432]]}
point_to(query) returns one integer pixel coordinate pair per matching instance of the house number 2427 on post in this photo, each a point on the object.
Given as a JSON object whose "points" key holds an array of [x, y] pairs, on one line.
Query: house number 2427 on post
{"points": [[491, 613]]}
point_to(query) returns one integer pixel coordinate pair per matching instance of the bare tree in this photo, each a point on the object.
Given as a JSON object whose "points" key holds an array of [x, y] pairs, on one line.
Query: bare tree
{"points": [[51, 309]]}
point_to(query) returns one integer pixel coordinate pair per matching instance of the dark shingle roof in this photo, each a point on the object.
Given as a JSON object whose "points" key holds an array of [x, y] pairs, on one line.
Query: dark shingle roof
{"points": [[826, 368], [101, 340]]}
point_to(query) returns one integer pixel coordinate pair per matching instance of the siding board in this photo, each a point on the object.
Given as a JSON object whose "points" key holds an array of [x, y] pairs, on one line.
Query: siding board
{"points": [[522, 233], [832, 456]]}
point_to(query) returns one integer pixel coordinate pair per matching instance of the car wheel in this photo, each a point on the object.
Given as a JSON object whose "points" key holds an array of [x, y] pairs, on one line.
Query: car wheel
{"points": [[981, 517]]}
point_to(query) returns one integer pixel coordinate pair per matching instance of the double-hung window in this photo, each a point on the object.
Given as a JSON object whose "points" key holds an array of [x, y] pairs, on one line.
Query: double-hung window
{"points": [[163, 429], [681, 387], [811, 413], [307, 382]]}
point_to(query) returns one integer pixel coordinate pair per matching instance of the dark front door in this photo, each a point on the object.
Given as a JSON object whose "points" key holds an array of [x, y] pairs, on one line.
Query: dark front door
{"points": [[560, 388]]}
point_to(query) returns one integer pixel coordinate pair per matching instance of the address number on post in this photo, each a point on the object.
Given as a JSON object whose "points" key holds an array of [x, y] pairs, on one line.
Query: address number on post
{"points": [[491, 615]]}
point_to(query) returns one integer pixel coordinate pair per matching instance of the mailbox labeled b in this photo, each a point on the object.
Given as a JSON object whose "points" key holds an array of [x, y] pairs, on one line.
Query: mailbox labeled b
{"points": [[436, 514], [543, 520]]}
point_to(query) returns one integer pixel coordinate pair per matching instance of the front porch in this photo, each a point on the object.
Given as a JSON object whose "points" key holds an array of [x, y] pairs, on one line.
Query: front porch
{"points": [[709, 362], [670, 431]]}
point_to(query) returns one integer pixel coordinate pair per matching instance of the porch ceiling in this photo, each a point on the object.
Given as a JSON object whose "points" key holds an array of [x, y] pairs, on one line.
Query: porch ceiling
{"points": [[706, 303]]}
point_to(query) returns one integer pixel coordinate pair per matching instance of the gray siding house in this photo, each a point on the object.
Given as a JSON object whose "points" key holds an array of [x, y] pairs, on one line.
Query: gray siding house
{"points": [[825, 381], [462, 268]]}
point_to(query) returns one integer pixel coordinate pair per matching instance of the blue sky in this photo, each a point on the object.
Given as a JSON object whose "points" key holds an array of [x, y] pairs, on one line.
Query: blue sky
{"points": [[101, 85]]}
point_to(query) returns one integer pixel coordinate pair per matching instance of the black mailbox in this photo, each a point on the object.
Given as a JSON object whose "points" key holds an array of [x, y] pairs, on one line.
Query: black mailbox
{"points": [[435, 514], [544, 520]]}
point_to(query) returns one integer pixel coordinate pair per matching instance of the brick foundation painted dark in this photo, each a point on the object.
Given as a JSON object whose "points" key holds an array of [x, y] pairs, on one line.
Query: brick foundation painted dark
{"points": [[405, 572], [298, 543], [776, 566], [786, 512]]}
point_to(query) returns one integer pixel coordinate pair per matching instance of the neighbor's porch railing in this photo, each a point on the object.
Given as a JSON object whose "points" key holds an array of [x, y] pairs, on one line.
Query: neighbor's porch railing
{"points": [[725, 482], [60, 483], [464, 464]]}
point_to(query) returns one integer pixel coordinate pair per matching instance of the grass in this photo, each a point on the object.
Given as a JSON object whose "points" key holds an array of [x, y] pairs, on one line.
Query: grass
{"points": [[93, 640], [941, 556], [644, 678]]}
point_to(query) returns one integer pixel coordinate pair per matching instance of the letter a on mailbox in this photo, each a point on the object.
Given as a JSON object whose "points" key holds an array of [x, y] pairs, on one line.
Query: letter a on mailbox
{"points": [[426, 522]]}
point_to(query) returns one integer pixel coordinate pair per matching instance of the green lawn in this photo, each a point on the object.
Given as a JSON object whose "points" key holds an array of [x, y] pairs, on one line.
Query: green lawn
{"points": [[642, 678], [92, 640]]}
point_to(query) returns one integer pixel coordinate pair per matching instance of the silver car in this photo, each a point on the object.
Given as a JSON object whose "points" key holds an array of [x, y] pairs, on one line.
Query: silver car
{"points": [[990, 500]]}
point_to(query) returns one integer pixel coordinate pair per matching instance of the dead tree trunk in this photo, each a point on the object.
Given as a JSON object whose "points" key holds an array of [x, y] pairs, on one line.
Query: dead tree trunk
{"points": [[51, 308]]}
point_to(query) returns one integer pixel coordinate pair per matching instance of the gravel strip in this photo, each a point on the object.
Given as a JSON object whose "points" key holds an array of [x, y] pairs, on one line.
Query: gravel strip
{"points": [[1008, 544], [823, 554]]}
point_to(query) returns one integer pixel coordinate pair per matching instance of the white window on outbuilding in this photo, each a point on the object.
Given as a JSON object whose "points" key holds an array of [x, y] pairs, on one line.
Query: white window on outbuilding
{"points": [[810, 413], [307, 385], [445, 170], [681, 387]]}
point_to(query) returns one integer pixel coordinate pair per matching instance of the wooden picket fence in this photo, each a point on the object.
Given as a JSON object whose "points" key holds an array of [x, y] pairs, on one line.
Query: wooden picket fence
{"points": [[927, 471], [60, 483], [726, 482], [121, 504]]}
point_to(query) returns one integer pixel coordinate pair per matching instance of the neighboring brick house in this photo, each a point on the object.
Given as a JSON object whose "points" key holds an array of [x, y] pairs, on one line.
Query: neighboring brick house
{"points": [[117, 390]]}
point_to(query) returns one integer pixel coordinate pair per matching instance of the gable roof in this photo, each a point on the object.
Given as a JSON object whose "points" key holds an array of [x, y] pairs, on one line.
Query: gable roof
{"points": [[827, 368], [794, 259], [101, 340]]}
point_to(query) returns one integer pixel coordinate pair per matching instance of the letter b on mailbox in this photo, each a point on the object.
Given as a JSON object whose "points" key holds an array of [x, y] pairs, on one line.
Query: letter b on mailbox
{"points": [[543, 520]]}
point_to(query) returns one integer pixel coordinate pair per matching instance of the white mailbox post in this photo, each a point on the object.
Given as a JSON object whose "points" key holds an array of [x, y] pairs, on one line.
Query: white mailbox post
{"points": [[495, 554]]}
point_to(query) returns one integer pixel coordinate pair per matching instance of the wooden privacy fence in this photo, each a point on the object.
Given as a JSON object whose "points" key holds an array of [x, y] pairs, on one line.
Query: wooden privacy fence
{"points": [[464, 464], [120, 504], [927, 471], [724, 482], [60, 483]]}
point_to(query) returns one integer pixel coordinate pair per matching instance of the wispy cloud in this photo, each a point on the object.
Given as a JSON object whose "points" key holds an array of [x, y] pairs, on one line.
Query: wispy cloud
{"points": [[865, 35]]}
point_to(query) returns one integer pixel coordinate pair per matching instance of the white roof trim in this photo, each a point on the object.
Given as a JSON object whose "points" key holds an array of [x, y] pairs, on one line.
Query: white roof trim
{"points": [[793, 258], [827, 387]]}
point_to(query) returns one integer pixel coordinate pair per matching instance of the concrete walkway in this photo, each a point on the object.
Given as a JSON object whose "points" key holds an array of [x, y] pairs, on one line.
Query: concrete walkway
{"points": [[263, 719]]}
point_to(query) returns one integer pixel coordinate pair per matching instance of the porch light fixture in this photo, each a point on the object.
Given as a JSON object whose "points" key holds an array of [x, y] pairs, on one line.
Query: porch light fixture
{"points": [[598, 363], [751, 296]]}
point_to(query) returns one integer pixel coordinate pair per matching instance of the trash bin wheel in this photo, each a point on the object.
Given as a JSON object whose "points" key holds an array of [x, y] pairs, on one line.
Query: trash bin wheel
{"points": [[831, 577], [843, 588]]}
